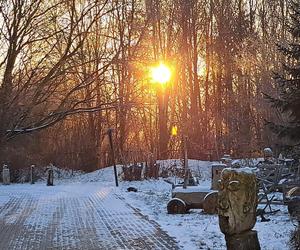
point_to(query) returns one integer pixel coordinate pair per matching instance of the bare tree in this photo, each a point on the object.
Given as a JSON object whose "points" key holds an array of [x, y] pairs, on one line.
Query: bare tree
{"points": [[41, 44]]}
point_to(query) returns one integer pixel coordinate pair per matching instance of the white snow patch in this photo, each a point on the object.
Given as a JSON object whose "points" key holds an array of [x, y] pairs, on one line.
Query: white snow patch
{"points": [[191, 189], [245, 170]]}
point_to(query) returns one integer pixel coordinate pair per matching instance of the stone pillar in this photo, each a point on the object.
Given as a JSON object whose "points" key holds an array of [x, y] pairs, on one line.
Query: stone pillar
{"points": [[50, 177], [5, 175], [237, 203], [32, 174]]}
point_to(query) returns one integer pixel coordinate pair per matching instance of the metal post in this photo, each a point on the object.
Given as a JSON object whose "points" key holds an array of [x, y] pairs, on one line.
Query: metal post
{"points": [[185, 160], [113, 155]]}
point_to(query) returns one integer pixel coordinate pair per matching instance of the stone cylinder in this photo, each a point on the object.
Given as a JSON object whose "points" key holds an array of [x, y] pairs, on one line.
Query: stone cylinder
{"points": [[6, 176]]}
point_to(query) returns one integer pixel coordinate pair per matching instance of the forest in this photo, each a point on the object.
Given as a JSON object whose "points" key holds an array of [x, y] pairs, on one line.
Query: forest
{"points": [[72, 69]]}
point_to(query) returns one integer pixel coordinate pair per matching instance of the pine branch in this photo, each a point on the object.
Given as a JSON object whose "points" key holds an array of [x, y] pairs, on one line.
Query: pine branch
{"points": [[293, 133]]}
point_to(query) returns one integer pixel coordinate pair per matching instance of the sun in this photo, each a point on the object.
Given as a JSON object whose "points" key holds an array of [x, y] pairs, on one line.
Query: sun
{"points": [[161, 73]]}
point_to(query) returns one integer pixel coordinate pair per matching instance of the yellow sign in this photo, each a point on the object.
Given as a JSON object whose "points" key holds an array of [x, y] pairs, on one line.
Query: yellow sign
{"points": [[174, 130]]}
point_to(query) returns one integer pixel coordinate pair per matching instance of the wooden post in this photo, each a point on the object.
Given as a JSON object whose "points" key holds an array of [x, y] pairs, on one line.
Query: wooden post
{"points": [[50, 177], [32, 174], [185, 160], [244, 241], [113, 155]]}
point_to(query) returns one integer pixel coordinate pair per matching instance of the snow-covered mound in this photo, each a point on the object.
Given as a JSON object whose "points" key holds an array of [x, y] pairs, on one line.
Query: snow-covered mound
{"points": [[200, 169], [101, 175], [61, 173]]}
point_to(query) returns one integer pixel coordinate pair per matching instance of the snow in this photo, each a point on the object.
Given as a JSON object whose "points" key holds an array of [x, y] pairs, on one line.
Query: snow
{"points": [[245, 170], [194, 230], [219, 165], [197, 230], [201, 169], [191, 189], [3, 200]]}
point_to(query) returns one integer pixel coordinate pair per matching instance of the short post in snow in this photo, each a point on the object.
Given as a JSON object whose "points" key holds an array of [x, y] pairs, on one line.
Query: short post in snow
{"points": [[113, 155], [50, 177], [5, 175], [32, 174], [185, 161]]}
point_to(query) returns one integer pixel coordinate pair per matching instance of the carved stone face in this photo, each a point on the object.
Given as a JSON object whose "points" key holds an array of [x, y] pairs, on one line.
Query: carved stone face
{"points": [[237, 201]]}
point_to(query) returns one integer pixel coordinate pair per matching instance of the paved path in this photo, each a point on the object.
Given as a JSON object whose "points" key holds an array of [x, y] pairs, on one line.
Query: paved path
{"points": [[74, 216]]}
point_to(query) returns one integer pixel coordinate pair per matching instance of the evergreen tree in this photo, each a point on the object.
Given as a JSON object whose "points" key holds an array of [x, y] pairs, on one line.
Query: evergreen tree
{"points": [[288, 81]]}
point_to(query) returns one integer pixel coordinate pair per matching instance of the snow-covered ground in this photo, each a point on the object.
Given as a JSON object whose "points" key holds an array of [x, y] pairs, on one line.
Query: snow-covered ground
{"points": [[197, 230], [194, 230]]}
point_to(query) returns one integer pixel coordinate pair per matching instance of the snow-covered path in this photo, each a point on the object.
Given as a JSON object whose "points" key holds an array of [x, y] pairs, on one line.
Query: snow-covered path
{"points": [[74, 216]]}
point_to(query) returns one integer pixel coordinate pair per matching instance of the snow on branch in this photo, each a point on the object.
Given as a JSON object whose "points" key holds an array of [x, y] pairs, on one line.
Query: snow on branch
{"points": [[55, 117]]}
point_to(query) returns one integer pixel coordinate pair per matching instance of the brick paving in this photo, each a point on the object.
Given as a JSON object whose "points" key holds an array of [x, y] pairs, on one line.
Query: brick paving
{"points": [[74, 216]]}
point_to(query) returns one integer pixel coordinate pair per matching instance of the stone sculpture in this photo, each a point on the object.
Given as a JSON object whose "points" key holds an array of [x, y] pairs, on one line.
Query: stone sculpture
{"points": [[5, 175], [237, 203]]}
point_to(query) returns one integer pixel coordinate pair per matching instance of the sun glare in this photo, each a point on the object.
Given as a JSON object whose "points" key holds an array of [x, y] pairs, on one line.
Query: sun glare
{"points": [[161, 74]]}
